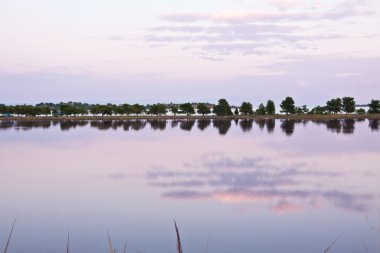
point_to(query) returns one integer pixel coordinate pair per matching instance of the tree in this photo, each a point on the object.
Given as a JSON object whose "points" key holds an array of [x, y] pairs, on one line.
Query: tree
{"points": [[203, 109], [360, 111], [236, 112], [223, 108], [137, 109], [261, 110], [318, 110], [4, 109], [287, 106], [157, 109], [348, 104], [270, 108], [246, 108], [187, 108], [334, 105], [174, 109], [67, 109], [374, 106]]}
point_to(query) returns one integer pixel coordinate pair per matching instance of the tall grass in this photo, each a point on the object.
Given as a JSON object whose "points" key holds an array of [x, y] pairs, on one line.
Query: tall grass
{"points": [[330, 246], [179, 245], [10, 236], [113, 250]]}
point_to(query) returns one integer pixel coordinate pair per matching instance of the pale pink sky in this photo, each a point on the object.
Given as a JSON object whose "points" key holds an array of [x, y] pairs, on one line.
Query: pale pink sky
{"points": [[162, 51]]}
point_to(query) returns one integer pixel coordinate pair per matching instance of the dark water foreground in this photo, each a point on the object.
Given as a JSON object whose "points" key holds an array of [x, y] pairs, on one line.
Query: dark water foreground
{"points": [[242, 186]]}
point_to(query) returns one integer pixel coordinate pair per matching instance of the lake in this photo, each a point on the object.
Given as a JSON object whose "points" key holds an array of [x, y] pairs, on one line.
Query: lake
{"points": [[232, 186]]}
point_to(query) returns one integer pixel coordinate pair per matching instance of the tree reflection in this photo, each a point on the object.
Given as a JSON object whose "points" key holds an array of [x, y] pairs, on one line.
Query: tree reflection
{"points": [[134, 125], [246, 124], [187, 125], [101, 124], [348, 126], [222, 125], [203, 124], [287, 126], [28, 125], [157, 124], [261, 123], [174, 123], [374, 124], [271, 124], [66, 125], [334, 125], [6, 124]]}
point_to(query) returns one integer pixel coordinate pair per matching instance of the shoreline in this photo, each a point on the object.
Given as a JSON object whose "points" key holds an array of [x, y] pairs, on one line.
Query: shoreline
{"points": [[197, 117]]}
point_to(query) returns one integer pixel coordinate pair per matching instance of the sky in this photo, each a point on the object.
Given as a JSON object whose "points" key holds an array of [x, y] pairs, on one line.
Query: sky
{"points": [[152, 51]]}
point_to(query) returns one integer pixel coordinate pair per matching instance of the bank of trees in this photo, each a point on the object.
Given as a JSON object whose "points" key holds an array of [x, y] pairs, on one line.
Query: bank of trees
{"points": [[222, 108]]}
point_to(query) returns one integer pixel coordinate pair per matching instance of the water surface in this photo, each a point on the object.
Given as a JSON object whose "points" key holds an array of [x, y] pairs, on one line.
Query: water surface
{"points": [[236, 186]]}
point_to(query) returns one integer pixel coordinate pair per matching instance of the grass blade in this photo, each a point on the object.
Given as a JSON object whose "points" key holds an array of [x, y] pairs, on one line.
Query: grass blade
{"points": [[332, 244], [125, 248], [208, 240], [9, 237], [68, 243], [112, 250], [179, 246]]}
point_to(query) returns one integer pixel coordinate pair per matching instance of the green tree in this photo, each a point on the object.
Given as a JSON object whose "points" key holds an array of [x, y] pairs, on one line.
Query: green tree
{"points": [[374, 106], [236, 112], [187, 108], [318, 110], [5, 109], [360, 111], [246, 108], [334, 105], [270, 108], [348, 104], [287, 106], [157, 109], [174, 109], [261, 110], [137, 109], [67, 109], [203, 109], [223, 108]]}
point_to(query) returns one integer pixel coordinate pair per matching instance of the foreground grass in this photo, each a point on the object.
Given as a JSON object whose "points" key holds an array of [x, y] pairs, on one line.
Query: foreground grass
{"points": [[113, 250]]}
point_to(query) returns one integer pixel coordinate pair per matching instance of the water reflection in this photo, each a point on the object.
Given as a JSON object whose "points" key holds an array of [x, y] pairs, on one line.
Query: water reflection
{"points": [[346, 126], [288, 127], [374, 124], [187, 125], [157, 124], [203, 124], [71, 124], [222, 125], [246, 125], [84, 181], [24, 125], [271, 124], [256, 179]]}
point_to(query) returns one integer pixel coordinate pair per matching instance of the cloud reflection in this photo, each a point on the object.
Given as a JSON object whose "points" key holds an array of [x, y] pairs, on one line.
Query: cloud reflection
{"points": [[283, 188]]}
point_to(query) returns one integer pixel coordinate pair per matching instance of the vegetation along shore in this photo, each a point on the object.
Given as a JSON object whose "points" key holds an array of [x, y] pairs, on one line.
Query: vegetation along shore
{"points": [[337, 108]]}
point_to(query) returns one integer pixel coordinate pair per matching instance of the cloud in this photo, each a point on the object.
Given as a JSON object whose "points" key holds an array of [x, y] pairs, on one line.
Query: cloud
{"points": [[286, 4], [337, 13], [240, 33], [346, 75]]}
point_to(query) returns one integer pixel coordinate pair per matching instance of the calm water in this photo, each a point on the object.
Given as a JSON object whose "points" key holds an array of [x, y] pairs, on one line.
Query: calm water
{"points": [[247, 186]]}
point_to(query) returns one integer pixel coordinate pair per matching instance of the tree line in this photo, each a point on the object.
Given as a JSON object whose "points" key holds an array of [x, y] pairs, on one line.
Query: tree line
{"points": [[222, 108]]}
